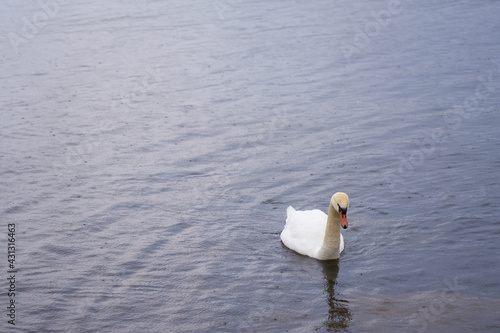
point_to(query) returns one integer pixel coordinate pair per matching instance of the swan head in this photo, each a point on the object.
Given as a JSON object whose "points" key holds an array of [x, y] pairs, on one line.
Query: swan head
{"points": [[340, 202]]}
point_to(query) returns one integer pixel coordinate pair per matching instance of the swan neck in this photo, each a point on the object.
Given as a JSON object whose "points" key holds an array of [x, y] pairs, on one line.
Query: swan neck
{"points": [[331, 242]]}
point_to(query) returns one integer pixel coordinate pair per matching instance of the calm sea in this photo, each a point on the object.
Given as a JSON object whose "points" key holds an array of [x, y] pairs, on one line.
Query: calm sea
{"points": [[148, 153]]}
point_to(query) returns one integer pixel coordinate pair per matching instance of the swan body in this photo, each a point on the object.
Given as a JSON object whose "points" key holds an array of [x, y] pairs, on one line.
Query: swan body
{"points": [[315, 234]]}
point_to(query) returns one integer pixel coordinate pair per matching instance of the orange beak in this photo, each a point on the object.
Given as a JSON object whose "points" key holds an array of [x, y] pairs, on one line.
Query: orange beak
{"points": [[343, 219]]}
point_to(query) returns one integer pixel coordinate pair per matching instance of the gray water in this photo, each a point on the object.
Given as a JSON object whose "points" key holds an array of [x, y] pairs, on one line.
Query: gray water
{"points": [[149, 152]]}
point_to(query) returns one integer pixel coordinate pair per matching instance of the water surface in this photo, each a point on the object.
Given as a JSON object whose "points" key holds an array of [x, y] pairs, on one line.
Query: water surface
{"points": [[149, 152]]}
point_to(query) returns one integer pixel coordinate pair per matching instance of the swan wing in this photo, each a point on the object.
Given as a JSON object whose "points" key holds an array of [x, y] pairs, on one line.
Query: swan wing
{"points": [[304, 231]]}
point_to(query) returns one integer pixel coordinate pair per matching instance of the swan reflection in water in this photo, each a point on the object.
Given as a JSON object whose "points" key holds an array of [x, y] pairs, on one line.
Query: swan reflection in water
{"points": [[338, 311]]}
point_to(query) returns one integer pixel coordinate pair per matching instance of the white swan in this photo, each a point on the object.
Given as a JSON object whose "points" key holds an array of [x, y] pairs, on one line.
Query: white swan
{"points": [[315, 234]]}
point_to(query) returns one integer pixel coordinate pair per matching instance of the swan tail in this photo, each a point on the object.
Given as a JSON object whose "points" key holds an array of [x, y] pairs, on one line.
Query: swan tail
{"points": [[289, 212]]}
